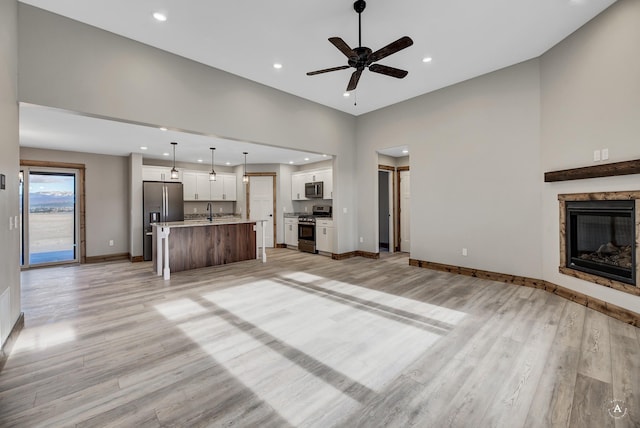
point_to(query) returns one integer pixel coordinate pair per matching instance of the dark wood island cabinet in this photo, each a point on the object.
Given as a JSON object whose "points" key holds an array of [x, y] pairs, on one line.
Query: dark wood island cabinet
{"points": [[195, 244]]}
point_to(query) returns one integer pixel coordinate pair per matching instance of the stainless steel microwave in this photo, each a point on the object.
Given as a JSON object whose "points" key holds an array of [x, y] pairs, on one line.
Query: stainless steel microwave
{"points": [[313, 190]]}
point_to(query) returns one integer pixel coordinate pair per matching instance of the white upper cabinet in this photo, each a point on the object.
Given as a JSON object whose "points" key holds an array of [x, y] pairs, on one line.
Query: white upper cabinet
{"points": [[297, 186], [158, 173], [224, 188], [326, 176], [298, 180], [196, 186]]}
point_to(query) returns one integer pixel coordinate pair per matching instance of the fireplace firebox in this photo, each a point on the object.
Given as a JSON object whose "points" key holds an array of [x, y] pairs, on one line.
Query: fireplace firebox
{"points": [[600, 238]]}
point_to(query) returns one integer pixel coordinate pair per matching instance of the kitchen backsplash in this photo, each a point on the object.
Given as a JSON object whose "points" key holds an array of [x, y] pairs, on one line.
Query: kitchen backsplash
{"points": [[197, 216]]}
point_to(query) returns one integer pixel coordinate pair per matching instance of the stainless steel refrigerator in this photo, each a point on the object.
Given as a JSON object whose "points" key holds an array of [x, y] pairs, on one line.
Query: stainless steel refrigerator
{"points": [[161, 202]]}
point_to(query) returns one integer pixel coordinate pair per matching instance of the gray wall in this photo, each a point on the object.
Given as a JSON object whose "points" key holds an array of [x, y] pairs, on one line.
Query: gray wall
{"points": [[9, 161], [475, 173], [106, 203], [590, 101], [100, 73], [478, 149]]}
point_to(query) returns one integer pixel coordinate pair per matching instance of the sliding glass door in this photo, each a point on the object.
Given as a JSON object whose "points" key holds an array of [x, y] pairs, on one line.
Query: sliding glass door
{"points": [[49, 216]]}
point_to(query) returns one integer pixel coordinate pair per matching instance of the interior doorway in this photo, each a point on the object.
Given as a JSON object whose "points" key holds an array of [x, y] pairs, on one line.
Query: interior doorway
{"points": [[386, 235], [261, 204], [50, 216]]}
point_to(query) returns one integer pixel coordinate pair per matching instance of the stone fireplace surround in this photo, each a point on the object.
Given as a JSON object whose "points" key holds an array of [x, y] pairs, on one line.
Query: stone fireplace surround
{"points": [[600, 196]]}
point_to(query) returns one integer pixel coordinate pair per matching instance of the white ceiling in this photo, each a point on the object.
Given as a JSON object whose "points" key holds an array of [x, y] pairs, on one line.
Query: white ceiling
{"points": [[44, 127], [465, 38]]}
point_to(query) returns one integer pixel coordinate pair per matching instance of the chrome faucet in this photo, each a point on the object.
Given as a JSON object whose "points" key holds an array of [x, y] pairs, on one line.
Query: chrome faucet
{"points": [[210, 209]]}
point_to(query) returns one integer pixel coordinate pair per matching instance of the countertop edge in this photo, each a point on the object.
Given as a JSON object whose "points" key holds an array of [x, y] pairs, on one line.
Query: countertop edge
{"points": [[203, 223]]}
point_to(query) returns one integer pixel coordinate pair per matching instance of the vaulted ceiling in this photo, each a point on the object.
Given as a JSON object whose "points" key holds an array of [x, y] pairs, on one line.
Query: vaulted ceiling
{"points": [[462, 38]]}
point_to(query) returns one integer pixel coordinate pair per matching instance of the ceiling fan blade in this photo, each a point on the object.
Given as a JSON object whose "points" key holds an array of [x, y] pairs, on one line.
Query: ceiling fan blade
{"points": [[388, 71], [326, 70], [391, 48], [342, 46], [354, 80]]}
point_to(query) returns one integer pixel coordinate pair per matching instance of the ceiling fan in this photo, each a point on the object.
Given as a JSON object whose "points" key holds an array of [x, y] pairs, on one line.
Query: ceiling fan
{"points": [[363, 57]]}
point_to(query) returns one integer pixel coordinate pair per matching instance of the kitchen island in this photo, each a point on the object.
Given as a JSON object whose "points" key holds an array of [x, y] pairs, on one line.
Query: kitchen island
{"points": [[184, 245]]}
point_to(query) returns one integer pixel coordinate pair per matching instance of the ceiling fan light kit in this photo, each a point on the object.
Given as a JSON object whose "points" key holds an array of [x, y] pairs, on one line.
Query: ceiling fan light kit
{"points": [[363, 57]]}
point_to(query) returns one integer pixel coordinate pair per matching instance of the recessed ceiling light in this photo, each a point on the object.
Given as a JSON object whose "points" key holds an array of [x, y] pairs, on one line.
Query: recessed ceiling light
{"points": [[160, 16], [163, 129], [324, 155], [346, 94], [306, 159], [199, 160], [277, 66], [405, 151], [290, 162], [165, 154], [228, 163], [143, 147], [427, 59]]}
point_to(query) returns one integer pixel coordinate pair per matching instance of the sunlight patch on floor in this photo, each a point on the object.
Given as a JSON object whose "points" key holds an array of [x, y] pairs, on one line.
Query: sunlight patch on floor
{"points": [[415, 307], [44, 337], [362, 345], [309, 347], [292, 391], [180, 309]]}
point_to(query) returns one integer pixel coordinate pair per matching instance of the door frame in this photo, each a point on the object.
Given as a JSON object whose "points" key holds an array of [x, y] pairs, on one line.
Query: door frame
{"points": [[275, 196], [80, 167], [397, 198], [393, 241]]}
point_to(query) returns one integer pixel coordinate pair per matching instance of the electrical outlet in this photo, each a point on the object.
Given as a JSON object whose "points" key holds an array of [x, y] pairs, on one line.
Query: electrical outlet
{"points": [[361, 239], [464, 252], [596, 155], [605, 154], [220, 209], [111, 242], [344, 210], [195, 210]]}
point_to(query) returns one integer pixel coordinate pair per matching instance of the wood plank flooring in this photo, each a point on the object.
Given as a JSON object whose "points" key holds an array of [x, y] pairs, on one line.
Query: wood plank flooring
{"points": [[307, 341]]}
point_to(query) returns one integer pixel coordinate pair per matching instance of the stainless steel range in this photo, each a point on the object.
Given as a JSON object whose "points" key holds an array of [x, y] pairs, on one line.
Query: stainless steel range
{"points": [[307, 228]]}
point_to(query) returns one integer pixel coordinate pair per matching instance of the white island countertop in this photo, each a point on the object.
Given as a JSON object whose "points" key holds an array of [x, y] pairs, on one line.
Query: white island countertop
{"points": [[205, 222]]}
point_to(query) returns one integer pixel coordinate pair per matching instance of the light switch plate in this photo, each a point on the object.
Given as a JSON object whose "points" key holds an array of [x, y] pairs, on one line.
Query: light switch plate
{"points": [[596, 155], [605, 154]]}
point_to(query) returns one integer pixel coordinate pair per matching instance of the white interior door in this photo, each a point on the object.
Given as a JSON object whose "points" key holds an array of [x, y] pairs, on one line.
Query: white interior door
{"points": [[405, 211], [261, 206]]}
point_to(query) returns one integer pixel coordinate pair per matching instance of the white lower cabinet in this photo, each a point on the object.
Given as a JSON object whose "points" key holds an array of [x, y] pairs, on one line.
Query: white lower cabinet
{"points": [[291, 231], [324, 235]]}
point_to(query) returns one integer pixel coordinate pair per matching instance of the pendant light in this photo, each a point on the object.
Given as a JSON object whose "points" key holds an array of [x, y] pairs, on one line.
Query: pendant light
{"points": [[245, 177], [174, 172], [212, 174]]}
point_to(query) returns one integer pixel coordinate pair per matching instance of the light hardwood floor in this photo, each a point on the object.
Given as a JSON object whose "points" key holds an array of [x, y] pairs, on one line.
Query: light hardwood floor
{"points": [[312, 342]]}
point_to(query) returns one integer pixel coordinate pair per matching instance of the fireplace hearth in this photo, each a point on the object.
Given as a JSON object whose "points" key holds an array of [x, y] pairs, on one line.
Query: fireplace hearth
{"points": [[600, 238]]}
